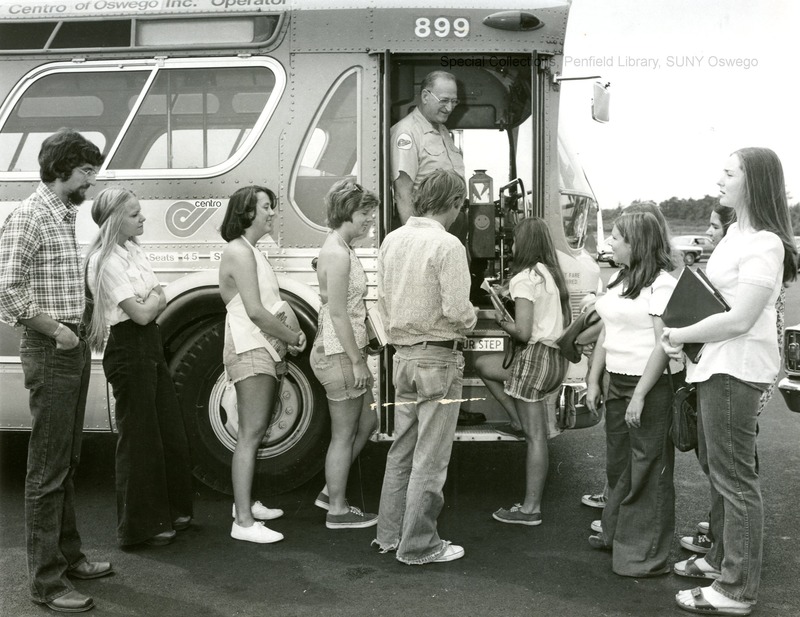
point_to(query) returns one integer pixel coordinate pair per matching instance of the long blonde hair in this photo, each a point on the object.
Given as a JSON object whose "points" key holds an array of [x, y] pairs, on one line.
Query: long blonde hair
{"points": [[107, 212]]}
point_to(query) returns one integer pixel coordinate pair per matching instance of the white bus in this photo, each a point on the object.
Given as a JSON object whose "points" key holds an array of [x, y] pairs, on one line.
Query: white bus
{"points": [[190, 100]]}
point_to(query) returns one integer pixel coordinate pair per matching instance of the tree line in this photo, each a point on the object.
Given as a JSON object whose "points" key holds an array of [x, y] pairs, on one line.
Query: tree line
{"points": [[688, 215]]}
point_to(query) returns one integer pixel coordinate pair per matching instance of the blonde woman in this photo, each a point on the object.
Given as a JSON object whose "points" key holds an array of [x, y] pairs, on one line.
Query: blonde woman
{"points": [[153, 473]]}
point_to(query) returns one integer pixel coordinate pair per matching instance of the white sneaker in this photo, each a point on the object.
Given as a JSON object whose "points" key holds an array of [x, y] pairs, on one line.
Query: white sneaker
{"points": [[451, 553], [261, 512], [257, 532], [594, 501], [597, 526]]}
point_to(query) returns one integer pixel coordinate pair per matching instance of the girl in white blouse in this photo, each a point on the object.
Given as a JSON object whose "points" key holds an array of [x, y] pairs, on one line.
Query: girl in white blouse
{"points": [[639, 519], [739, 360], [541, 303], [153, 473]]}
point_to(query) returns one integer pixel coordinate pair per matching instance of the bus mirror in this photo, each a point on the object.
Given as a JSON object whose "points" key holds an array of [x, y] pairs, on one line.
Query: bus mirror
{"points": [[600, 102]]}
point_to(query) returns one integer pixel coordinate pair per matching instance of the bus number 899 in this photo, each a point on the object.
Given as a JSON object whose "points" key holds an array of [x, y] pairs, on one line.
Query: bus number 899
{"points": [[441, 27]]}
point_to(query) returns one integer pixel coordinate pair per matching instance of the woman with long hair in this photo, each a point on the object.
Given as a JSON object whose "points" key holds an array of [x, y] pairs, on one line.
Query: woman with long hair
{"points": [[542, 311], [338, 357], [153, 473], [249, 288], [639, 519], [740, 359]]}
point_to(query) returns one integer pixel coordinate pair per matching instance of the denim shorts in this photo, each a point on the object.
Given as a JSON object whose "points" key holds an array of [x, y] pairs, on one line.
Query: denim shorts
{"points": [[335, 373], [239, 366]]}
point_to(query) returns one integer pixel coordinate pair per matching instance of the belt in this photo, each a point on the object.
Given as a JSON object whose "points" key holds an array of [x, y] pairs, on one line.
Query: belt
{"points": [[77, 329], [454, 345]]}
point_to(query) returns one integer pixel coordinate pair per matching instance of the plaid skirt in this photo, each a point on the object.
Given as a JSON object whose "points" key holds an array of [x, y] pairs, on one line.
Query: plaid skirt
{"points": [[537, 370]]}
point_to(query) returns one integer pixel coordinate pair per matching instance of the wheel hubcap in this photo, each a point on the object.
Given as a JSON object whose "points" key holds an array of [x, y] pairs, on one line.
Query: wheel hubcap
{"points": [[288, 425]]}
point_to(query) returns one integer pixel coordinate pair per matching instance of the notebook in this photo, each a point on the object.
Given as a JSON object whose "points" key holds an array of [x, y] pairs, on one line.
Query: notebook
{"points": [[275, 346], [496, 301], [693, 299], [376, 333]]}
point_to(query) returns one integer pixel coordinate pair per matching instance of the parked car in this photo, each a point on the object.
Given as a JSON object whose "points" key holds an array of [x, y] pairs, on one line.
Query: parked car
{"points": [[605, 254], [692, 248]]}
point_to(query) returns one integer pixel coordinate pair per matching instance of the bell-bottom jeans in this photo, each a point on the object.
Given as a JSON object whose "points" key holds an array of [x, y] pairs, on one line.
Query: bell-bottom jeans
{"points": [[727, 428], [428, 384]]}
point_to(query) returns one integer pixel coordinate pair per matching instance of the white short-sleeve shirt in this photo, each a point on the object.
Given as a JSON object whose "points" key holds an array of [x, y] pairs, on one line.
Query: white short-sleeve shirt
{"points": [[630, 335], [754, 258], [538, 285], [127, 274]]}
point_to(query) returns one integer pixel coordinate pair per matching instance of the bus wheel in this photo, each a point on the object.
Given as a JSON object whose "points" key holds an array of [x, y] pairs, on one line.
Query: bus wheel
{"points": [[292, 451]]}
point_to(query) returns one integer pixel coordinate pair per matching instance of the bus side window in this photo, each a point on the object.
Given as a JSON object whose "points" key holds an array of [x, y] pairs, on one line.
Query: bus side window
{"points": [[194, 118], [93, 102], [330, 152]]}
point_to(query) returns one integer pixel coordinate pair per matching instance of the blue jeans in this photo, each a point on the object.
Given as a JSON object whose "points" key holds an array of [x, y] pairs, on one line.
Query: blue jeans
{"points": [[639, 517], [727, 427], [416, 466], [57, 381]]}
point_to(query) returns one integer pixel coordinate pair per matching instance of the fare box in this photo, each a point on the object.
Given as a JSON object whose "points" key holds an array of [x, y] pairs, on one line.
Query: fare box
{"points": [[485, 344]]}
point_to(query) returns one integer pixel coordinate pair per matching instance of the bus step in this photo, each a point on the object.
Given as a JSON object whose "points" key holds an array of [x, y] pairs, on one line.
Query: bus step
{"points": [[483, 432]]}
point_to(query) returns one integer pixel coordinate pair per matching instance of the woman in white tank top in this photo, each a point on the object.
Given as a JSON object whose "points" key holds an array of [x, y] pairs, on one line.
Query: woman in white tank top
{"points": [[247, 286]]}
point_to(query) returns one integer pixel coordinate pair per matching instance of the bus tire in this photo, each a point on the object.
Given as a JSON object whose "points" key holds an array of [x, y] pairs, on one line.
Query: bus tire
{"points": [[293, 450]]}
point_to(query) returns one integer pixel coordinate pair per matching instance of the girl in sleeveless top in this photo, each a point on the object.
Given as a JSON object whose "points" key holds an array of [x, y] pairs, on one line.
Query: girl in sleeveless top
{"points": [[338, 357], [247, 286]]}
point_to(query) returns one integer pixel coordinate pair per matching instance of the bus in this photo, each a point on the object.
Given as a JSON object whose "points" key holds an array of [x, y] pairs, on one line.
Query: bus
{"points": [[190, 100]]}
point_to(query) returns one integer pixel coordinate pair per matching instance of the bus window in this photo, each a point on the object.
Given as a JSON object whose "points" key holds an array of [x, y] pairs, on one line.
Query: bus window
{"points": [[189, 152], [577, 199], [194, 118], [91, 102], [20, 152], [331, 150]]}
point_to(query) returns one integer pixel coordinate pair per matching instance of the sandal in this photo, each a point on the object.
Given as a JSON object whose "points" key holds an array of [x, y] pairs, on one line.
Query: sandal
{"points": [[703, 606], [690, 569]]}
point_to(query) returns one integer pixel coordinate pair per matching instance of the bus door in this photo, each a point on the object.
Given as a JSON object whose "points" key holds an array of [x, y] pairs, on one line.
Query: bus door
{"points": [[497, 125]]}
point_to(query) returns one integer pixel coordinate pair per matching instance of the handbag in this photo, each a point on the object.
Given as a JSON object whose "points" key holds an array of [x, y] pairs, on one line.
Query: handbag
{"points": [[572, 411], [684, 417]]}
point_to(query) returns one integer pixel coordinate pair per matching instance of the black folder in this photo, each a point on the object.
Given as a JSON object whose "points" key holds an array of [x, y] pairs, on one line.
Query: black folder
{"points": [[693, 299]]}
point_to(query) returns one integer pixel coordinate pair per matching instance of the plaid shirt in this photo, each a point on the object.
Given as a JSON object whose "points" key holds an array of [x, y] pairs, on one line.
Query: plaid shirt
{"points": [[40, 262]]}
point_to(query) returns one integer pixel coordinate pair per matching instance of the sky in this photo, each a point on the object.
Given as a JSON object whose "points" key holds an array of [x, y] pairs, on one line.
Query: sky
{"points": [[691, 81]]}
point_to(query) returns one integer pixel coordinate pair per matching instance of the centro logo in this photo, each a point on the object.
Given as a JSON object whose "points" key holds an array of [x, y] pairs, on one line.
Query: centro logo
{"points": [[184, 218]]}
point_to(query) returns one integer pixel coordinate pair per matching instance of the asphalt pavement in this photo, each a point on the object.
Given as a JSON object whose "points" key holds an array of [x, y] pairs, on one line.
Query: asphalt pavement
{"points": [[508, 570]]}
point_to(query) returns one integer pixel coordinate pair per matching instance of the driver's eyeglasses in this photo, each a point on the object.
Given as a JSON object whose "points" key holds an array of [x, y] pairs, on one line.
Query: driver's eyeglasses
{"points": [[88, 173], [453, 102]]}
